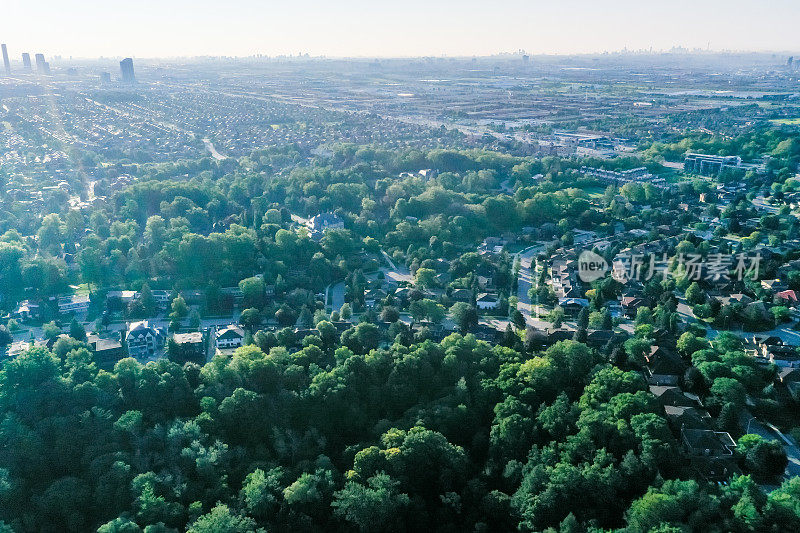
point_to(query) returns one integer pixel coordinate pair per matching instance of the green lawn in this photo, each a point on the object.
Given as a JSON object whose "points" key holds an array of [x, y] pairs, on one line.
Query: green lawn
{"points": [[787, 121], [594, 191]]}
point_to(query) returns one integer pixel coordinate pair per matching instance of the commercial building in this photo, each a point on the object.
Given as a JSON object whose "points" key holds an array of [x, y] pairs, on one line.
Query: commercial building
{"points": [[26, 61], [42, 66], [6, 63], [126, 66], [710, 165], [78, 304]]}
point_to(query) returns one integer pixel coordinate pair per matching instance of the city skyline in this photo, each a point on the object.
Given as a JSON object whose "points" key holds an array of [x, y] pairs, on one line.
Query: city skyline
{"points": [[355, 28]]}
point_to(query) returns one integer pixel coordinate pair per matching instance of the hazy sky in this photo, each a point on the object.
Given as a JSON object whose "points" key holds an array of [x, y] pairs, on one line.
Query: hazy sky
{"points": [[162, 28]]}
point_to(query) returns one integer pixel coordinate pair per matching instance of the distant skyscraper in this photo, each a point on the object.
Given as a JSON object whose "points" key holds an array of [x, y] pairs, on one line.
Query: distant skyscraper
{"points": [[26, 61], [6, 63], [126, 66], [42, 67], [105, 77]]}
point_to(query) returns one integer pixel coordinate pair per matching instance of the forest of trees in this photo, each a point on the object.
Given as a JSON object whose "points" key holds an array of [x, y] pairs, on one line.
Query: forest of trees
{"points": [[455, 436]]}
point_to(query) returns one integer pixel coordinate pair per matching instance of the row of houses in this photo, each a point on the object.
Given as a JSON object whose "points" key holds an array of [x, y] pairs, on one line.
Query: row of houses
{"points": [[118, 300]]}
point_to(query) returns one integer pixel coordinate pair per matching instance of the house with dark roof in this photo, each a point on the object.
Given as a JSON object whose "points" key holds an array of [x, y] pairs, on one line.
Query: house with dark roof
{"points": [[771, 348], [487, 301], [229, 337], [461, 295], [707, 443], [664, 367], [106, 351], [630, 305], [191, 345], [790, 378], [143, 339], [682, 417], [319, 224], [573, 306], [598, 337], [669, 395]]}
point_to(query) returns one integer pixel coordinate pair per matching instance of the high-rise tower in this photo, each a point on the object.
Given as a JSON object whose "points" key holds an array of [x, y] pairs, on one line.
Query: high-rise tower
{"points": [[42, 67], [6, 63], [126, 66]]}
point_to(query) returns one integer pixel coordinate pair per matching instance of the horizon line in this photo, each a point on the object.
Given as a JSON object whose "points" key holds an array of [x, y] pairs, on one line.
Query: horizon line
{"points": [[676, 50]]}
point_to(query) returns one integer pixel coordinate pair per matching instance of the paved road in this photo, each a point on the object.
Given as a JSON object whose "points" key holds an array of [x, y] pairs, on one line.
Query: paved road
{"points": [[527, 277], [394, 272], [211, 148], [761, 205]]}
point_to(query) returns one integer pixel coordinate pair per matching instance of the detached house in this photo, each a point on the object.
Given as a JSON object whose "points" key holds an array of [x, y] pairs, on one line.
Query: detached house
{"points": [[106, 351], [143, 339], [487, 301], [191, 345], [229, 337], [323, 222]]}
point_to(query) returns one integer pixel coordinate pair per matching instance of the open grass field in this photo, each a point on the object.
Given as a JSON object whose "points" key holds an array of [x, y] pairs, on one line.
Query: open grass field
{"points": [[787, 121]]}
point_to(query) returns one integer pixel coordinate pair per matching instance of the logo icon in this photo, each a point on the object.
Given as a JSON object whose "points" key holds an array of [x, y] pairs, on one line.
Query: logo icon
{"points": [[591, 266]]}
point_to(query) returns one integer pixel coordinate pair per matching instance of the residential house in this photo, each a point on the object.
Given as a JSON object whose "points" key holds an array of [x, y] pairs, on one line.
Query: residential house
{"points": [[487, 301], [162, 297], [682, 417], [16, 348], [772, 349], [77, 304], [122, 298], [229, 337], [707, 442], [598, 337], [461, 295], [790, 378], [106, 351], [319, 224], [670, 395], [191, 345], [373, 297], [27, 310], [573, 306], [787, 297], [774, 285], [664, 367], [630, 305], [143, 339]]}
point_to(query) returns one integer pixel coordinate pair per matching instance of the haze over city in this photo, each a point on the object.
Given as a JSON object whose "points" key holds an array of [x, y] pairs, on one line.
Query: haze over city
{"points": [[152, 28]]}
